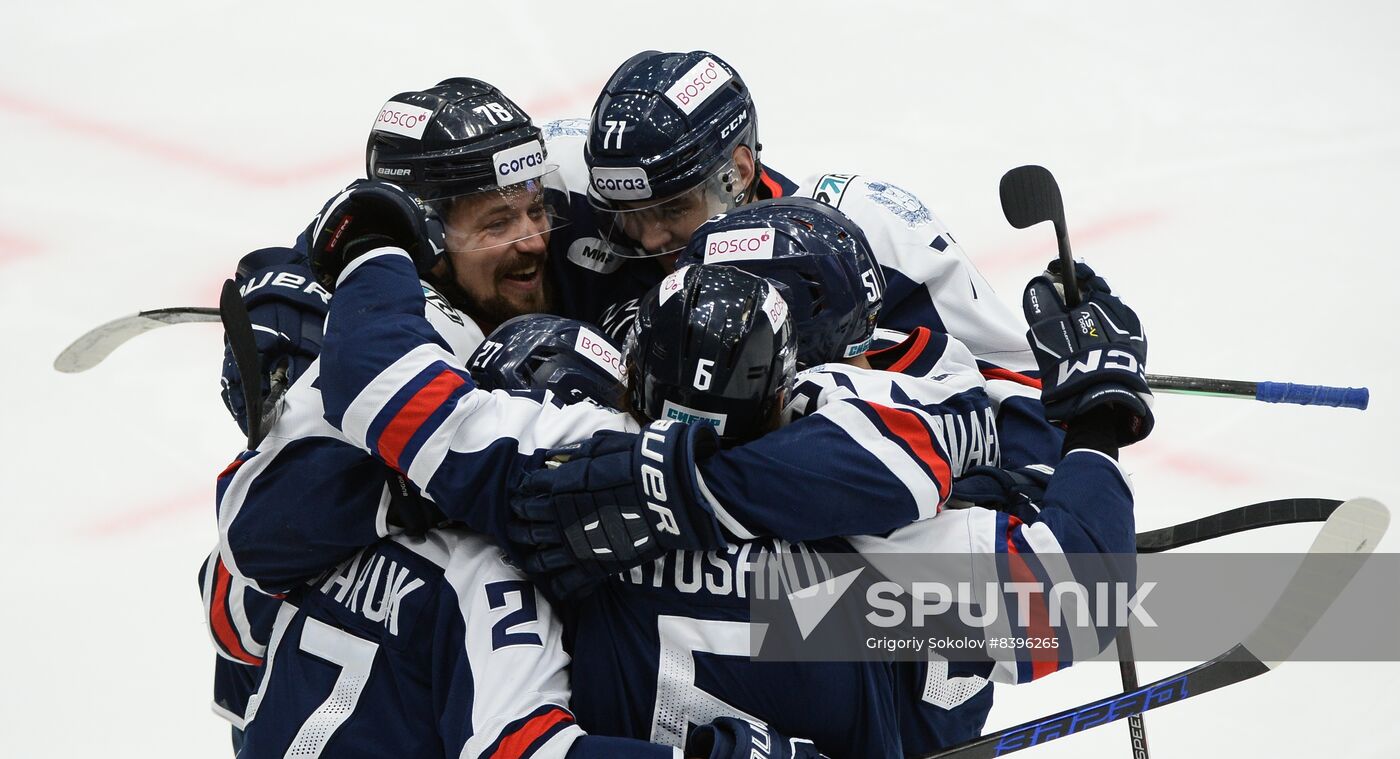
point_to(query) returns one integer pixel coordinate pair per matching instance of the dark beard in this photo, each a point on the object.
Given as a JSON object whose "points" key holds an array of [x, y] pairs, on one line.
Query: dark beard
{"points": [[488, 313]]}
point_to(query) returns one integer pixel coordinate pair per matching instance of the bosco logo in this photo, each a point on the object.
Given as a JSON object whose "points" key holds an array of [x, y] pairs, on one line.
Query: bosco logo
{"points": [[403, 119], [698, 84], [739, 245], [599, 351]]}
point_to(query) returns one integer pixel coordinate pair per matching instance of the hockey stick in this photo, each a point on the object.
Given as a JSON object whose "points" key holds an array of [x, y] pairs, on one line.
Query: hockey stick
{"points": [[238, 329], [1251, 517], [1355, 527], [1029, 196], [1268, 392], [97, 344]]}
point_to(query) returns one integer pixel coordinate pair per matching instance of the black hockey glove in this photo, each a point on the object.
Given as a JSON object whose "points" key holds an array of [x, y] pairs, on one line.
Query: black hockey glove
{"points": [[408, 508], [613, 502], [1016, 491], [370, 215], [287, 308], [1091, 356], [733, 738]]}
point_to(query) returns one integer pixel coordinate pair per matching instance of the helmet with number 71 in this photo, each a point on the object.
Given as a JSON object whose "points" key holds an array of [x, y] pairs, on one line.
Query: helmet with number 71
{"points": [[664, 148], [712, 344], [819, 257]]}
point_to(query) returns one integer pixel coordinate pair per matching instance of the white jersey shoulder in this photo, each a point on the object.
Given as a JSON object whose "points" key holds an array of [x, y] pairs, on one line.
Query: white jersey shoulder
{"points": [[564, 140]]}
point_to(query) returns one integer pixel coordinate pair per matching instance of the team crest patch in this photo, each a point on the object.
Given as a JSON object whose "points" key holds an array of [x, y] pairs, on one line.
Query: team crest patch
{"points": [[899, 202]]}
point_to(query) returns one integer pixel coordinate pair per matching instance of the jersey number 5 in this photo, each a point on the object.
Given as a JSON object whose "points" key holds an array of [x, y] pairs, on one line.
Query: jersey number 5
{"points": [[680, 703]]}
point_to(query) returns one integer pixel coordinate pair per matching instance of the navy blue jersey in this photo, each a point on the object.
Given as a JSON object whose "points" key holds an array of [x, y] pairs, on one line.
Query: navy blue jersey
{"points": [[420, 647]]}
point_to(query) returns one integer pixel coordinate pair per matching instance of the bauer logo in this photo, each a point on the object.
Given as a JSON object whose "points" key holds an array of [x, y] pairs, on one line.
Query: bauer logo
{"points": [[599, 351], [394, 172], [739, 245], [690, 416], [698, 84], [519, 163], [403, 119], [621, 184]]}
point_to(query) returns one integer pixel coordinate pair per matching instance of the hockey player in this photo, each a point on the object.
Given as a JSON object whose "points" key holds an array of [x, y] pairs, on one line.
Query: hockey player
{"points": [[433, 645], [378, 381], [673, 139]]}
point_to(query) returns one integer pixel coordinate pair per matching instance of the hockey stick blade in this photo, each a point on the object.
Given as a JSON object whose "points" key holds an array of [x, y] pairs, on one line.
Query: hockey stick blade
{"points": [[1355, 528], [1251, 517], [97, 344], [1030, 195]]}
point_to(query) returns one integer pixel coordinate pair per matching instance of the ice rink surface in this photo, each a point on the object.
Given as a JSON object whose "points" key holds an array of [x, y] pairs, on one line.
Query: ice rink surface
{"points": [[1227, 166]]}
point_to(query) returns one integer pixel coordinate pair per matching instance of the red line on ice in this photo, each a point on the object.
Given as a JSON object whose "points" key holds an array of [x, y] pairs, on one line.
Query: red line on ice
{"points": [[13, 246], [185, 504], [213, 161], [1040, 248]]}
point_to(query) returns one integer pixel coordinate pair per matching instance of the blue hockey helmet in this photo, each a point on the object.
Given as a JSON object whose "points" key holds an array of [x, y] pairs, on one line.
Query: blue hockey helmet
{"points": [[665, 126], [545, 352], [819, 257], [449, 140], [712, 344]]}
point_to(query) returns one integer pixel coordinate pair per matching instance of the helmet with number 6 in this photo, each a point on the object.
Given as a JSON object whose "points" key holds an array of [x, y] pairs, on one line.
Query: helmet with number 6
{"points": [[712, 344], [545, 352], [821, 260]]}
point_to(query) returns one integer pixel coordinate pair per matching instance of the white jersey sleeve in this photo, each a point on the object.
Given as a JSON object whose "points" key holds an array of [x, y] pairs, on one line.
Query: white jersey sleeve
{"points": [[930, 280]]}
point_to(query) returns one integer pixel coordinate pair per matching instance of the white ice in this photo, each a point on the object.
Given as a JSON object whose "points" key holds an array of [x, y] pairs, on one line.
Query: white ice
{"points": [[1225, 165]]}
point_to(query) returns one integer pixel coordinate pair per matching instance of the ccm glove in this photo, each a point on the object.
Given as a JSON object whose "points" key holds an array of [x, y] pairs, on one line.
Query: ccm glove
{"points": [[370, 215], [287, 308], [613, 502], [733, 738], [1091, 356]]}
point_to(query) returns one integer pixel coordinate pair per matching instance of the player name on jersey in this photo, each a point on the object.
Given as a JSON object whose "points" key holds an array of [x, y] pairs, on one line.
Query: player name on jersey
{"points": [[760, 568], [373, 586]]}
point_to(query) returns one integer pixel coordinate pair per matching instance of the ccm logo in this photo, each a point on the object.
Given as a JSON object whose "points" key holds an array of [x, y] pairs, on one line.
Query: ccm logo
{"points": [[740, 119], [1116, 360], [698, 84], [653, 481]]}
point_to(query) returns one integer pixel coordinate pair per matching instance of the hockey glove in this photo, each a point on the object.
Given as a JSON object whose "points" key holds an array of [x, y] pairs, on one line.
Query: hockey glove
{"points": [[371, 215], [288, 311], [1093, 355], [613, 502], [408, 508], [733, 738], [1015, 491]]}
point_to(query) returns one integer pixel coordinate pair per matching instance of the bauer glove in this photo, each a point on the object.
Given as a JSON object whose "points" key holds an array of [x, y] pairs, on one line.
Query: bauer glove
{"points": [[288, 311], [733, 738], [613, 502]]}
